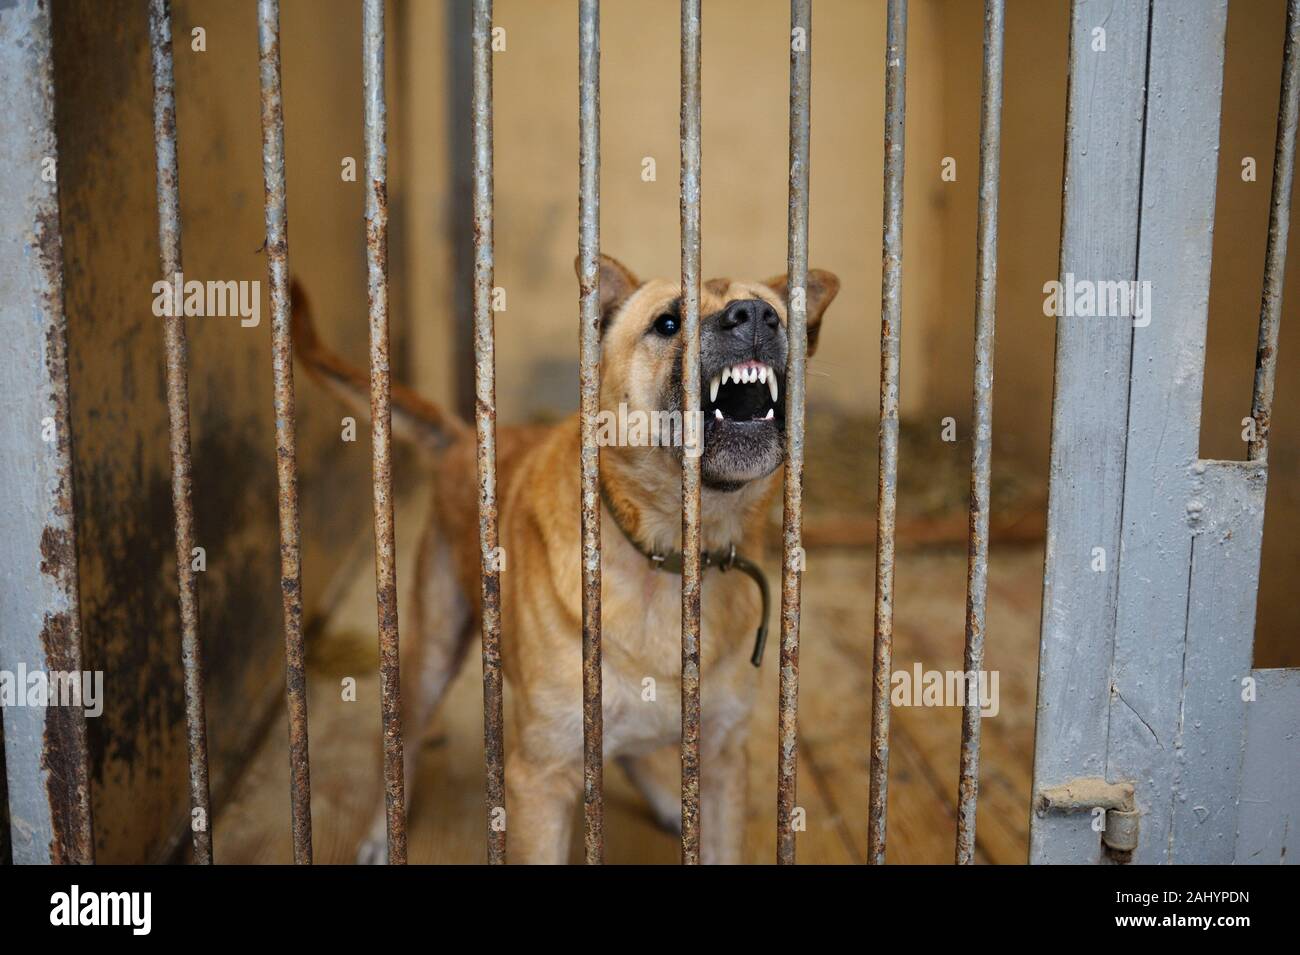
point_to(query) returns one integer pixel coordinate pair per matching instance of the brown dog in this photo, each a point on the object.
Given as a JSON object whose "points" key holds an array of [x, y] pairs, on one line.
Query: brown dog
{"points": [[742, 369]]}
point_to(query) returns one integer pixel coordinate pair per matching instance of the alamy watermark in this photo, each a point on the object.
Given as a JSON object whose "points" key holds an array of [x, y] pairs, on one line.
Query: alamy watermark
{"points": [[1088, 298], [42, 688], [650, 429], [921, 687], [215, 299]]}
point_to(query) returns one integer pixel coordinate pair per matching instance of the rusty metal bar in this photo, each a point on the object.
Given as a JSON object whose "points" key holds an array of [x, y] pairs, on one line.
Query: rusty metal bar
{"points": [[376, 135], [792, 518], [286, 432], [977, 566], [589, 345], [485, 424], [891, 315], [178, 418], [1279, 225], [690, 211], [47, 797]]}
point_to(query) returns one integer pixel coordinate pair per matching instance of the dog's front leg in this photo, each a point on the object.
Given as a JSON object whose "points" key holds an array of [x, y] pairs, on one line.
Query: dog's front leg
{"points": [[541, 801], [724, 790]]}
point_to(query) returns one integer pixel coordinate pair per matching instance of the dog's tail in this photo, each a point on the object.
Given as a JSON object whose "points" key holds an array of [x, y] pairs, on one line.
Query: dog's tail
{"points": [[414, 418]]}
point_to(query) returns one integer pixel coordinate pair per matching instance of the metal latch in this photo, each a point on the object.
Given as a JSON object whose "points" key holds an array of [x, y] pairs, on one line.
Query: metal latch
{"points": [[1120, 834]]}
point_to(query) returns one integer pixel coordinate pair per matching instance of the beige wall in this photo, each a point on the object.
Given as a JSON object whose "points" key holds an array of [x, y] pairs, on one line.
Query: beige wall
{"points": [[746, 120]]}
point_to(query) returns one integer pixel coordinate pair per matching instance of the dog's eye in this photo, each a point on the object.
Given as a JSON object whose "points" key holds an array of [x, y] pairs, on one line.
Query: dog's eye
{"points": [[666, 325]]}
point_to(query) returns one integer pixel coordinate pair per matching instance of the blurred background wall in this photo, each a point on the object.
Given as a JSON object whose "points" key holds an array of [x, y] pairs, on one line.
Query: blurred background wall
{"points": [[110, 227]]}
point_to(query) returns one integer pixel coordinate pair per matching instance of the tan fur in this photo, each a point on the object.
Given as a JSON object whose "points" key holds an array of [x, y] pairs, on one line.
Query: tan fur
{"points": [[538, 502]]}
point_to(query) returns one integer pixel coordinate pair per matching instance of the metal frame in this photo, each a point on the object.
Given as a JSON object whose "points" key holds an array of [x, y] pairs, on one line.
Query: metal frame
{"points": [[44, 747]]}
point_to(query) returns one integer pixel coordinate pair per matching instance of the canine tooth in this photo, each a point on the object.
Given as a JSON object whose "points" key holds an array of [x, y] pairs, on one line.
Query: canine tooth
{"points": [[714, 385], [771, 385], [726, 373], [717, 413], [771, 413]]}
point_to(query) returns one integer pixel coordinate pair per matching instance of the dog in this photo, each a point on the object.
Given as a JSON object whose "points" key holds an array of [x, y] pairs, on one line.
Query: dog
{"points": [[743, 348]]}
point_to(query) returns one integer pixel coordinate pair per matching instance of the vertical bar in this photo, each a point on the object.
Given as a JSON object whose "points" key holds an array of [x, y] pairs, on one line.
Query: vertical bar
{"points": [[44, 751], [690, 267], [1279, 225], [891, 316], [977, 554], [589, 343], [376, 133], [286, 433], [485, 424], [178, 417], [796, 356], [690, 212]]}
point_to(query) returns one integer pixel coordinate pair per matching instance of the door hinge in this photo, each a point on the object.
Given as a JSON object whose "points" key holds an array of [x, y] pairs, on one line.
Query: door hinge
{"points": [[1119, 835]]}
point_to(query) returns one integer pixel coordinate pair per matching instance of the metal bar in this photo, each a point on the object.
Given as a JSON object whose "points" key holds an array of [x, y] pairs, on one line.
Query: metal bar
{"points": [[376, 133], [792, 517], [485, 424], [286, 432], [178, 418], [690, 212], [891, 315], [589, 343], [44, 752], [977, 555], [1279, 225]]}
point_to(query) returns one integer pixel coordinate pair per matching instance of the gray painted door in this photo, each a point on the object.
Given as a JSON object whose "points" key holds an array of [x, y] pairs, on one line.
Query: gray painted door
{"points": [[1156, 741]]}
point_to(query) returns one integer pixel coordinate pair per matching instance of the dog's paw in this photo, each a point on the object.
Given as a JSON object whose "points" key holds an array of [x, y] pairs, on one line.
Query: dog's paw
{"points": [[373, 852]]}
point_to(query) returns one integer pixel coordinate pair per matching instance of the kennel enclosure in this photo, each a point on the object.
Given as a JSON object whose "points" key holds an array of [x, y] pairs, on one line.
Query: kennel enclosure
{"points": [[1143, 711]]}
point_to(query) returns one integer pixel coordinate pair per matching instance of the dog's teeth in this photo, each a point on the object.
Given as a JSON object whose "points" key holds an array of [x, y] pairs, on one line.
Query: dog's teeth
{"points": [[762, 374], [726, 374], [714, 385], [771, 413], [751, 375], [717, 414], [771, 385]]}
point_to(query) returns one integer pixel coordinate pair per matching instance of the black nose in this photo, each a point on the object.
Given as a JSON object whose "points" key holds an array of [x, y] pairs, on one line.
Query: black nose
{"points": [[748, 311]]}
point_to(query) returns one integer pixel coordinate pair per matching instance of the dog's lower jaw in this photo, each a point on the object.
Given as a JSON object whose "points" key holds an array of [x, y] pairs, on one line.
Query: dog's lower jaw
{"points": [[735, 460]]}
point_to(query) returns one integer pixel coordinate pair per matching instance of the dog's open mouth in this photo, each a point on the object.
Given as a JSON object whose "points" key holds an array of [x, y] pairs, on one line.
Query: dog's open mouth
{"points": [[745, 392]]}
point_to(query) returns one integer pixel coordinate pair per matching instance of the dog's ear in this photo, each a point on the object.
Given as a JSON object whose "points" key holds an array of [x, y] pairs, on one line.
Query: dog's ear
{"points": [[820, 290], [616, 283]]}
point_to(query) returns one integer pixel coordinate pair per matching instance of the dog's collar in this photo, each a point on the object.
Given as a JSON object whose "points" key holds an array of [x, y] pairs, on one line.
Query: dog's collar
{"points": [[672, 562]]}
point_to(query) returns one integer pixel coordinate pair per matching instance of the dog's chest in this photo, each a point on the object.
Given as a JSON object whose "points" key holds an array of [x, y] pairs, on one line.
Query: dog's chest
{"points": [[642, 659]]}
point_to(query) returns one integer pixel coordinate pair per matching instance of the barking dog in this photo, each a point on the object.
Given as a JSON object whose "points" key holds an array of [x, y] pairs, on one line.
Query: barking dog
{"points": [[742, 370]]}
